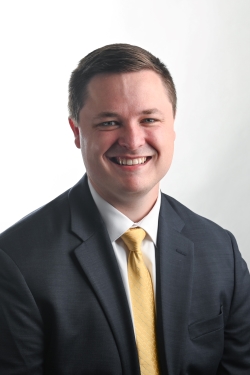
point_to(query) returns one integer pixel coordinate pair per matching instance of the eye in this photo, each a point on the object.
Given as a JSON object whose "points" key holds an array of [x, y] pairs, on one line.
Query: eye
{"points": [[149, 120], [107, 124]]}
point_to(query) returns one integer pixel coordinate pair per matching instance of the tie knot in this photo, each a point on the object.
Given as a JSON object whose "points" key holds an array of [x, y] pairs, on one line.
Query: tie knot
{"points": [[133, 238]]}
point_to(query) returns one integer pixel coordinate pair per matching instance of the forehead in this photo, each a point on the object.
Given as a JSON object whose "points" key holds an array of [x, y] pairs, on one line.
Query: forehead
{"points": [[126, 95], [144, 83]]}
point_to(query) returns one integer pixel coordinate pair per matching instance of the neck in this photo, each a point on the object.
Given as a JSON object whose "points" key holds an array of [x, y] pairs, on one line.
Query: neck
{"points": [[136, 209], [133, 205]]}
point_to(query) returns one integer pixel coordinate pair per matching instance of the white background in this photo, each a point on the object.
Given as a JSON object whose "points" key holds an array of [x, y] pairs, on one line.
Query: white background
{"points": [[206, 46]]}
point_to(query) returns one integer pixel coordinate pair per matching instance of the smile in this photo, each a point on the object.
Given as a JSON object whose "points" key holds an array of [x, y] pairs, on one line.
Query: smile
{"points": [[128, 161]]}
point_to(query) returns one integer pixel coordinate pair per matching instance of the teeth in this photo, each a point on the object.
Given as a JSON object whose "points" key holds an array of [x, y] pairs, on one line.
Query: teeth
{"points": [[131, 161]]}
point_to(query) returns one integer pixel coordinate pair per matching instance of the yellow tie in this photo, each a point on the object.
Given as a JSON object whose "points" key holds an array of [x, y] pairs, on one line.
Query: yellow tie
{"points": [[142, 296]]}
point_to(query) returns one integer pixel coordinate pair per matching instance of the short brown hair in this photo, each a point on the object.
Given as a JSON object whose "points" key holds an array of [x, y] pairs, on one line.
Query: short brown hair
{"points": [[114, 58]]}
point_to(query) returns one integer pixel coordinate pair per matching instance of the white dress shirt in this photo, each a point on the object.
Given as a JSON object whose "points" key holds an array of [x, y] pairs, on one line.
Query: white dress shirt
{"points": [[117, 224]]}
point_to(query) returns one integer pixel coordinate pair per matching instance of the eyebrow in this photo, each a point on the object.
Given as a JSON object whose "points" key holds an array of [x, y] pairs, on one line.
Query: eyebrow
{"points": [[103, 115], [150, 111]]}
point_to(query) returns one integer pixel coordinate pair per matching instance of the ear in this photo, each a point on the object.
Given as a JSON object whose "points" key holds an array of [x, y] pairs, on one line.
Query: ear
{"points": [[76, 132]]}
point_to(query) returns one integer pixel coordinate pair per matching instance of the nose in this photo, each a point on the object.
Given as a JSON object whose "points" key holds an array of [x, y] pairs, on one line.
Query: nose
{"points": [[132, 136]]}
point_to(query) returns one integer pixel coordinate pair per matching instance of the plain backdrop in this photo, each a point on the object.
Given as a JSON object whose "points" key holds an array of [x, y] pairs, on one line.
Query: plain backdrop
{"points": [[206, 46]]}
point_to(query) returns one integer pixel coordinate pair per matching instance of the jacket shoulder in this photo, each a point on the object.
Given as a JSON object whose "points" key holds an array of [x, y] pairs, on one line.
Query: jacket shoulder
{"points": [[43, 220], [196, 224]]}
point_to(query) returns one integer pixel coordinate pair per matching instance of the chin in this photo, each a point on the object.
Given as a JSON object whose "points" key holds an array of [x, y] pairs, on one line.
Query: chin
{"points": [[136, 189]]}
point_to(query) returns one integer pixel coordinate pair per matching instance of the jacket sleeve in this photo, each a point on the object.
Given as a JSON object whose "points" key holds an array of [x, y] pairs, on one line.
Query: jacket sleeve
{"points": [[21, 334], [236, 356]]}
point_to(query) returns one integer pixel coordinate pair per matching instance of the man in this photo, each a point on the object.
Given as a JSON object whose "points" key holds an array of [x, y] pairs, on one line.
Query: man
{"points": [[79, 292]]}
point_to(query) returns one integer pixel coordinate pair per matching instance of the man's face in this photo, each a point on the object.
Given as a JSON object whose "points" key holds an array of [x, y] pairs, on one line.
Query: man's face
{"points": [[126, 134]]}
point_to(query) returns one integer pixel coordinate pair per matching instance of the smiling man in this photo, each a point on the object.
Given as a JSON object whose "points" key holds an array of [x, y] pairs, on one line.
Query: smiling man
{"points": [[126, 134], [114, 277]]}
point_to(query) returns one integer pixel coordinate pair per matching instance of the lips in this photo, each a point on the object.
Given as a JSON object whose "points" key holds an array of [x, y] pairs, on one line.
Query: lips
{"points": [[129, 161]]}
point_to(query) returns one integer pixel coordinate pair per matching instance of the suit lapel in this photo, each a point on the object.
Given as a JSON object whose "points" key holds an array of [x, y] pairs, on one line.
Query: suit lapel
{"points": [[96, 257], [174, 272]]}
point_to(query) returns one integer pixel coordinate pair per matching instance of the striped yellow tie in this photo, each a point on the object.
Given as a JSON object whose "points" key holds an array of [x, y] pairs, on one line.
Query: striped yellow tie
{"points": [[142, 296]]}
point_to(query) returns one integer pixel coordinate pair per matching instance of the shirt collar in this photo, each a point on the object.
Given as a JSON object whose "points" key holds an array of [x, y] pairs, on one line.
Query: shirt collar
{"points": [[117, 223]]}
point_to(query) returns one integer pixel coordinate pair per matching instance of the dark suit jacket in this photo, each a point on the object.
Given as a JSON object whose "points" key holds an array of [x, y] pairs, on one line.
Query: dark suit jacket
{"points": [[63, 308]]}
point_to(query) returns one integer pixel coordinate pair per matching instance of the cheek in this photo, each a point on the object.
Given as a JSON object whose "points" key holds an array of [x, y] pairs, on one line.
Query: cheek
{"points": [[169, 144], [94, 146], [162, 140]]}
